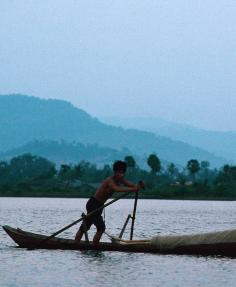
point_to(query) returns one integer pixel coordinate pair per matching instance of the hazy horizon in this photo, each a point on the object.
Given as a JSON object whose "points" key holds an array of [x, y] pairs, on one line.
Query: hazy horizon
{"points": [[172, 60]]}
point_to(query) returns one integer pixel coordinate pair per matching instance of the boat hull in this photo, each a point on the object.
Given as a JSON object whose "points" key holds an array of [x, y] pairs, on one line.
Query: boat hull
{"points": [[30, 240]]}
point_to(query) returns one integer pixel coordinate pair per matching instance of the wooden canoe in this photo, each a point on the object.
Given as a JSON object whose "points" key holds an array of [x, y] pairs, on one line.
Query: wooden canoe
{"points": [[32, 240], [26, 239]]}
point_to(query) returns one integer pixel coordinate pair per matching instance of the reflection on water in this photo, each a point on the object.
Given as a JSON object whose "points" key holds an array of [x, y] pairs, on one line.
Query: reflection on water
{"points": [[20, 267]]}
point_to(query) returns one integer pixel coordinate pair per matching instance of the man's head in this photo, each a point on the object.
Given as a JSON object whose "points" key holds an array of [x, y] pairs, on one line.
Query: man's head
{"points": [[119, 168]]}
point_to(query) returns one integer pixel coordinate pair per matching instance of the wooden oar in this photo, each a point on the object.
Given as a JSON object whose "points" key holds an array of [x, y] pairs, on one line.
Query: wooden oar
{"points": [[133, 216], [78, 220], [142, 186]]}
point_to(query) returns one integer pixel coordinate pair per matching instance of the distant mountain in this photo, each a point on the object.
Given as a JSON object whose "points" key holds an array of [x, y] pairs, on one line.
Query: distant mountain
{"points": [[70, 153], [222, 144], [25, 119]]}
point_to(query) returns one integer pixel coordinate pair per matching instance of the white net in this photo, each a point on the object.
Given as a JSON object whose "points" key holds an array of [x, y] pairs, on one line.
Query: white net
{"points": [[172, 241]]}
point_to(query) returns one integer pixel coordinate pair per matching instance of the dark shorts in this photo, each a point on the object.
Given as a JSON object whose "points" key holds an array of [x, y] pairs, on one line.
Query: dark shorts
{"points": [[96, 218]]}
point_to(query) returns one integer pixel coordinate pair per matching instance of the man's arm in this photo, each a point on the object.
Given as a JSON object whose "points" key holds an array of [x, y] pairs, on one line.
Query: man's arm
{"points": [[140, 185], [128, 183], [126, 188]]}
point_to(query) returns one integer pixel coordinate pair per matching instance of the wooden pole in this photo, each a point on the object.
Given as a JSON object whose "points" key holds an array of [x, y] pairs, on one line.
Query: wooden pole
{"points": [[133, 216], [124, 226]]}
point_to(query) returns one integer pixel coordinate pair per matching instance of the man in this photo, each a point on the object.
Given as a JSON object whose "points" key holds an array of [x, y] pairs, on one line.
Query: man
{"points": [[115, 183]]}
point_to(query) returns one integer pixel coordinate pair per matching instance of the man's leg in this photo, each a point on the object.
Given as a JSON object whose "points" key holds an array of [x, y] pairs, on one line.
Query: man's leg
{"points": [[81, 230], [97, 237], [79, 235], [101, 227]]}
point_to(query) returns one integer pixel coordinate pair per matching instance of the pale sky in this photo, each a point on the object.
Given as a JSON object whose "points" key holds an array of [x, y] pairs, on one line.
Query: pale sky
{"points": [[174, 59]]}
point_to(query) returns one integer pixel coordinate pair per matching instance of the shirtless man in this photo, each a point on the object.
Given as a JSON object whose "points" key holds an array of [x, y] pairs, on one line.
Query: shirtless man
{"points": [[115, 183]]}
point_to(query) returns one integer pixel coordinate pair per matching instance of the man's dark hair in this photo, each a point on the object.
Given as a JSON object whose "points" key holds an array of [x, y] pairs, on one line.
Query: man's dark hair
{"points": [[119, 166]]}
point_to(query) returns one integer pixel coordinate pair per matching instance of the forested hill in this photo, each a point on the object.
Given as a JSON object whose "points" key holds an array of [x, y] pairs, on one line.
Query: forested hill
{"points": [[24, 119], [69, 153]]}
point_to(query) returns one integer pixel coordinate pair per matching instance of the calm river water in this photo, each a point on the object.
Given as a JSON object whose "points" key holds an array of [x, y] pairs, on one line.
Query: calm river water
{"points": [[19, 267]]}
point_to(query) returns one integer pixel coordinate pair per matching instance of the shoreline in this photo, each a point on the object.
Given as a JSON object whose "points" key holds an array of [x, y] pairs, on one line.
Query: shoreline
{"points": [[141, 198]]}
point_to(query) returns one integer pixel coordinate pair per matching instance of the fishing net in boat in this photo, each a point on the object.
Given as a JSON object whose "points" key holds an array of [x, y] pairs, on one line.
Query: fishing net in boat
{"points": [[172, 241]]}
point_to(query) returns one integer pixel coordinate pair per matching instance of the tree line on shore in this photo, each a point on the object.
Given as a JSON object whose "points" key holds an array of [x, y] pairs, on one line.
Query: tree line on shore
{"points": [[30, 175]]}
